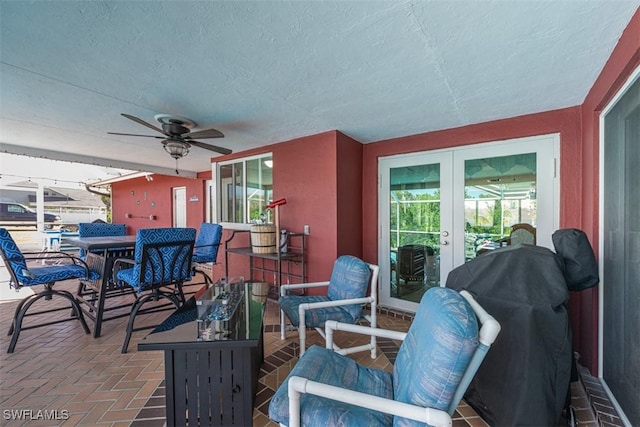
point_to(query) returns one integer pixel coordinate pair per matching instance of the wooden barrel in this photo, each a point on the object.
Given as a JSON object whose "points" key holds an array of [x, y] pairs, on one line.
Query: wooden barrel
{"points": [[263, 239]]}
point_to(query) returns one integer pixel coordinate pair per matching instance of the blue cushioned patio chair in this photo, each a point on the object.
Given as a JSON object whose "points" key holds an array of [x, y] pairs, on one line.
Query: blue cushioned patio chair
{"points": [[205, 252], [98, 229], [161, 264], [348, 291], [23, 275], [437, 360]]}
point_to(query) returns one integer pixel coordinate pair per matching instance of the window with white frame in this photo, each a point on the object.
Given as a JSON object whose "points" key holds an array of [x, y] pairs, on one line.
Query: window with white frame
{"points": [[243, 188]]}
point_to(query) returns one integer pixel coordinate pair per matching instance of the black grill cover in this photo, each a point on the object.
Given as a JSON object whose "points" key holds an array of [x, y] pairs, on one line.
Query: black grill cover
{"points": [[525, 377]]}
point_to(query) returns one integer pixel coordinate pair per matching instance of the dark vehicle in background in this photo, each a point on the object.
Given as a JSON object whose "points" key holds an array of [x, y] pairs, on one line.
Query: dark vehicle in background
{"points": [[17, 214]]}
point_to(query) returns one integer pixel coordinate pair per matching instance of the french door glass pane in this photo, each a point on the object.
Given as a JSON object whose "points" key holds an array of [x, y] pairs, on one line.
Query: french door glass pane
{"points": [[414, 230], [499, 193]]}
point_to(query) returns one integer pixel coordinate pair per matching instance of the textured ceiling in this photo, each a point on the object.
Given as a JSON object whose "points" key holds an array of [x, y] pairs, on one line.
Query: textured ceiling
{"points": [[268, 71]]}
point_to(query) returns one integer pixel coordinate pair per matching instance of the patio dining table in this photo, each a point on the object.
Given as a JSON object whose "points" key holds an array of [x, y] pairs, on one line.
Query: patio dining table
{"points": [[101, 253]]}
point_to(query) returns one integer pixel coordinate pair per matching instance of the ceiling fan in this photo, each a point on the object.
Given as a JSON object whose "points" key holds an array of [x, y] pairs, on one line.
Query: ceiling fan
{"points": [[177, 136]]}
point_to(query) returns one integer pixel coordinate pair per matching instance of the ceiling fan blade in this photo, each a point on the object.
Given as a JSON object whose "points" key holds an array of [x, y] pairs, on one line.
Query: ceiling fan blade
{"points": [[133, 134], [210, 147], [204, 134], [142, 122]]}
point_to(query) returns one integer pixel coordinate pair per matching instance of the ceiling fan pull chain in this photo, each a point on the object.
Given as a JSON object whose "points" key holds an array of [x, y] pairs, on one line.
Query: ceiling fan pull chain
{"points": [[177, 173]]}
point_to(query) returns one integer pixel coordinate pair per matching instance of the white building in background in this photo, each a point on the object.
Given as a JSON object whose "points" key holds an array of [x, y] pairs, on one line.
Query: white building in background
{"points": [[73, 205]]}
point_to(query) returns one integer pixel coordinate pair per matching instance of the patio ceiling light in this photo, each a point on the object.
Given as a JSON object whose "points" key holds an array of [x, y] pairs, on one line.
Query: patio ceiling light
{"points": [[176, 149]]}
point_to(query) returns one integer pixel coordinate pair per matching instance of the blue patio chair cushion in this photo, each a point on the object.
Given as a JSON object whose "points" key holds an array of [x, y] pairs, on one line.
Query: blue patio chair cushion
{"points": [[55, 273], [39, 275], [129, 276], [313, 318], [349, 279], [97, 229], [163, 266], [207, 243], [433, 357], [13, 253], [325, 366]]}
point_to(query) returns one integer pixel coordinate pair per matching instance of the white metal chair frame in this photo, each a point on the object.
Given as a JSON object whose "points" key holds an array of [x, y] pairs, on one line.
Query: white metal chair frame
{"points": [[372, 299], [434, 417]]}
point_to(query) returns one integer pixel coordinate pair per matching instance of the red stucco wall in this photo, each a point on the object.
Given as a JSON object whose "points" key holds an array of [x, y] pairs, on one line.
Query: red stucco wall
{"points": [[135, 196], [308, 172], [305, 174], [349, 197]]}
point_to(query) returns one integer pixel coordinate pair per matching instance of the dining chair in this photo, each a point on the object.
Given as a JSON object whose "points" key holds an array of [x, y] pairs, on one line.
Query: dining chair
{"points": [[437, 360], [161, 264], [522, 233], [347, 292], [24, 275], [97, 229], [205, 253]]}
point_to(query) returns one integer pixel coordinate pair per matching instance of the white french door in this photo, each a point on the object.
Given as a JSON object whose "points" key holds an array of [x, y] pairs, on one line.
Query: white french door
{"points": [[180, 206], [438, 209]]}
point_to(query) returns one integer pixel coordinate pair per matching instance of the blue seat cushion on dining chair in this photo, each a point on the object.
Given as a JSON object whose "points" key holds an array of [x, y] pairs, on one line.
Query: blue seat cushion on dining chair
{"points": [[207, 243], [436, 351], [38, 275], [54, 273], [128, 276], [325, 366], [313, 318], [175, 267]]}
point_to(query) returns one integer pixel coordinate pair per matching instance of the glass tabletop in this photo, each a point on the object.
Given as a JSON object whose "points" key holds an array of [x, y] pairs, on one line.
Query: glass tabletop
{"points": [[228, 310]]}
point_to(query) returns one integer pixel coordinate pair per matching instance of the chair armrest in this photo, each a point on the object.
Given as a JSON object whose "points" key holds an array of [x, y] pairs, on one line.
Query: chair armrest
{"points": [[334, 303], [284, 288], [333, 325], [39, 256], [298, 385], [490, 326], [119, 261], [47, 255]]}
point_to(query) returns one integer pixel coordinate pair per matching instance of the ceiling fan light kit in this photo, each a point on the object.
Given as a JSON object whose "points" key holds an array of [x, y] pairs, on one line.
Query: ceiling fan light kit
{"points": [[175, 148], [179, 137]]}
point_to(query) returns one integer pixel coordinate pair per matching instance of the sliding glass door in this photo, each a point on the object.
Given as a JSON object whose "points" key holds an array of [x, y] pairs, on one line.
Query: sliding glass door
{"points": [[620, 251]]}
